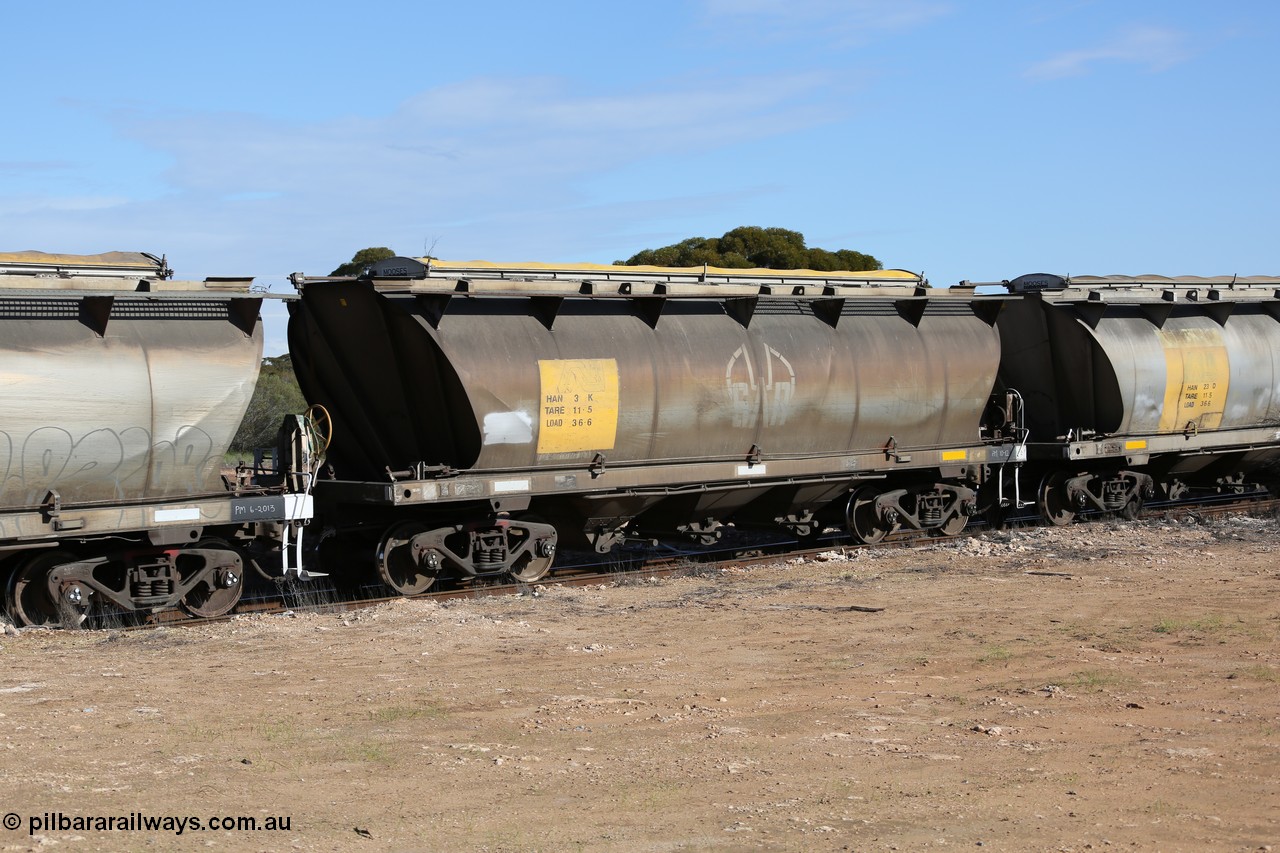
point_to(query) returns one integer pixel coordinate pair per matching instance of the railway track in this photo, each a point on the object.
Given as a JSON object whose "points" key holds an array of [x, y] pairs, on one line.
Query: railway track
{"points": [[313, 596]]}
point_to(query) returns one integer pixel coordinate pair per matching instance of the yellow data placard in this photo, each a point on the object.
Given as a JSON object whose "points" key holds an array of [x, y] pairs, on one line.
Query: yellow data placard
{"points": [[578, 409], [1198, 374]]}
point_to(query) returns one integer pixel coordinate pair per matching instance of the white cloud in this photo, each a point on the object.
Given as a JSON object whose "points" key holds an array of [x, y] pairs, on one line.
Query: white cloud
{"points": [[462, 150], [455, 141], [1154, 48], [502, 169]]}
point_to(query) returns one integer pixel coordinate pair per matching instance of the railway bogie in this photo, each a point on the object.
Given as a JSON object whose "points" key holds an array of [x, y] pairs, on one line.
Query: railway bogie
{"points": [[57, 585]]}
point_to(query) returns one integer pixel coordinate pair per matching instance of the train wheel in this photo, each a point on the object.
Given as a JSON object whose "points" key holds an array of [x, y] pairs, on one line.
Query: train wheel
{"points": [[1055, 507], [864, 524], [396, 564], [28, 600], [1132, 509], [217, 595], [544, 554], [534, 569], [954, 525]]}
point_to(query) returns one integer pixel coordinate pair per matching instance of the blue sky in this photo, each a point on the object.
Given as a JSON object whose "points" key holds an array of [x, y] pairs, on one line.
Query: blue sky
{"points": [[977, 140]]}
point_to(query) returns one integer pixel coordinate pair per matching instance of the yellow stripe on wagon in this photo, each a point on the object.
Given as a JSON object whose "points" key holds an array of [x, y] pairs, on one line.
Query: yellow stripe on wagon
{"points": [[1140, 444], [954, 455]]}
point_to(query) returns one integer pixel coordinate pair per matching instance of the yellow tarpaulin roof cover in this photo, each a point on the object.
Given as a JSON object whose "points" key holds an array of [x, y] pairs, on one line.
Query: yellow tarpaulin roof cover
{"points": [[436, 265], [124, 260]]}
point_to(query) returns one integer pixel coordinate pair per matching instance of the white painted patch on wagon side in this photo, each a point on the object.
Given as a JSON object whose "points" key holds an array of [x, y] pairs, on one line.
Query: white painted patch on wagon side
{"points": [[508, 428], [184, 514]]}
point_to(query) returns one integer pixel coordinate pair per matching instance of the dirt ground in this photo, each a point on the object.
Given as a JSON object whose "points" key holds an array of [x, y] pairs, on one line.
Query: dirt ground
{"points": [[1109, 685]]}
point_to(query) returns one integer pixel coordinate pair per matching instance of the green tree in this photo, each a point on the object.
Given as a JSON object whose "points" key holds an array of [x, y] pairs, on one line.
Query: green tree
{"points": [[277, 394], [362, 259], [752, 246]]}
